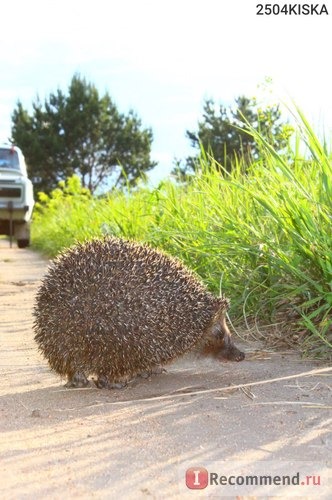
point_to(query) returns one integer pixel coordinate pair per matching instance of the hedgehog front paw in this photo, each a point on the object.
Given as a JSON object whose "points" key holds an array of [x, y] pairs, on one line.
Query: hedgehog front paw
{"points": [[78, 380], [157, 370], [103, 383]]}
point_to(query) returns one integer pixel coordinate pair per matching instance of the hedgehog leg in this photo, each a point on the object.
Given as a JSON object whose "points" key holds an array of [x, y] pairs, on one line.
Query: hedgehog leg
{"points": [[156, 370], [103, 383], [77, 380]]}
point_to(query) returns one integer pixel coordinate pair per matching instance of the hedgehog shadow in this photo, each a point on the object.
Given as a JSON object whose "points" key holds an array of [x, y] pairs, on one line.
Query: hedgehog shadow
{"points": [[182, 380]]}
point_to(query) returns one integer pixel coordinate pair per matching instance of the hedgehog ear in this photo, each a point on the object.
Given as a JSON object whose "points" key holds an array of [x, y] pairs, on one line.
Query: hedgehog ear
{"points": [[219, 327], [224, 305]]}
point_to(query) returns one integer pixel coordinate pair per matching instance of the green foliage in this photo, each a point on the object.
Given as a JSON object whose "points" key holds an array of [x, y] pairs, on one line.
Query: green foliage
{"points": [[60, 216], [81, 133], [263, 238], [220, 134]]}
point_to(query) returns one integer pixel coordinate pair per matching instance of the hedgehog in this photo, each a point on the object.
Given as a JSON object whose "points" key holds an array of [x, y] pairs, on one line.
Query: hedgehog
{"points": [[115, 309]]}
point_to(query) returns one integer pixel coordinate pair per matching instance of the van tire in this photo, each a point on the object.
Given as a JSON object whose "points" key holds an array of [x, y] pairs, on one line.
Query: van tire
{"points": [[23, 243]]}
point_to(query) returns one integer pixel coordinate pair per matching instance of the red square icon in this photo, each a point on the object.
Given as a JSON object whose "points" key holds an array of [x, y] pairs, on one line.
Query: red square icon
{"points": [[197, 478]]}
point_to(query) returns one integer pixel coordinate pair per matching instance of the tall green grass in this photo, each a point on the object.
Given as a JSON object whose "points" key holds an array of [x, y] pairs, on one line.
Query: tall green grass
{"points": [[263, 237]]}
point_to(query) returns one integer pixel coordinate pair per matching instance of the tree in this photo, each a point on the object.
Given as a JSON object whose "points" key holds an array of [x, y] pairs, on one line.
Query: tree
{"points": [[81, 133], [219, 134]]}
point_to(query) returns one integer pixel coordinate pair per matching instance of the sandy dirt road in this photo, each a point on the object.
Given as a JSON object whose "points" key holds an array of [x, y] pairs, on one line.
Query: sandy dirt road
{"points": [[138, 442]]}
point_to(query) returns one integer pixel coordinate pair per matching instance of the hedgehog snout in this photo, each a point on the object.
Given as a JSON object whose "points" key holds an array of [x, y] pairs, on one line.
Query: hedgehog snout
{"points": [[220, 342]]}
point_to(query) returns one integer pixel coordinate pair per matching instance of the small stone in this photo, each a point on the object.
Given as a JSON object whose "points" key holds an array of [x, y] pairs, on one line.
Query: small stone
{"points": [[35, 413]]}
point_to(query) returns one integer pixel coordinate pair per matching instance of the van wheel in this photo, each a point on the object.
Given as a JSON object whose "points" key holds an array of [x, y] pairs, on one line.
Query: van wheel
{"points": [[23, 243]]}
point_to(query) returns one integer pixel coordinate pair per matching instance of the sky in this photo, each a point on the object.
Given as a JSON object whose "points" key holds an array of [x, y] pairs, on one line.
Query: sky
{"points": [[164, 58]]}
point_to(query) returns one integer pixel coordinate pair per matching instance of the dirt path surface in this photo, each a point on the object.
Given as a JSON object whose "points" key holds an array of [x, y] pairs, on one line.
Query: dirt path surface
{"points": [[138, 442]]}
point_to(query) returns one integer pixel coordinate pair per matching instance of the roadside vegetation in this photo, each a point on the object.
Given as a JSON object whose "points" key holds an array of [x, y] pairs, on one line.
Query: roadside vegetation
{"points": [[261, 234]]}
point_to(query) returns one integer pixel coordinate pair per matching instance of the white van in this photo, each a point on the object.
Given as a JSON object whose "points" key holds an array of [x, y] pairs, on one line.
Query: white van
{"points": [[16, 195]]}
